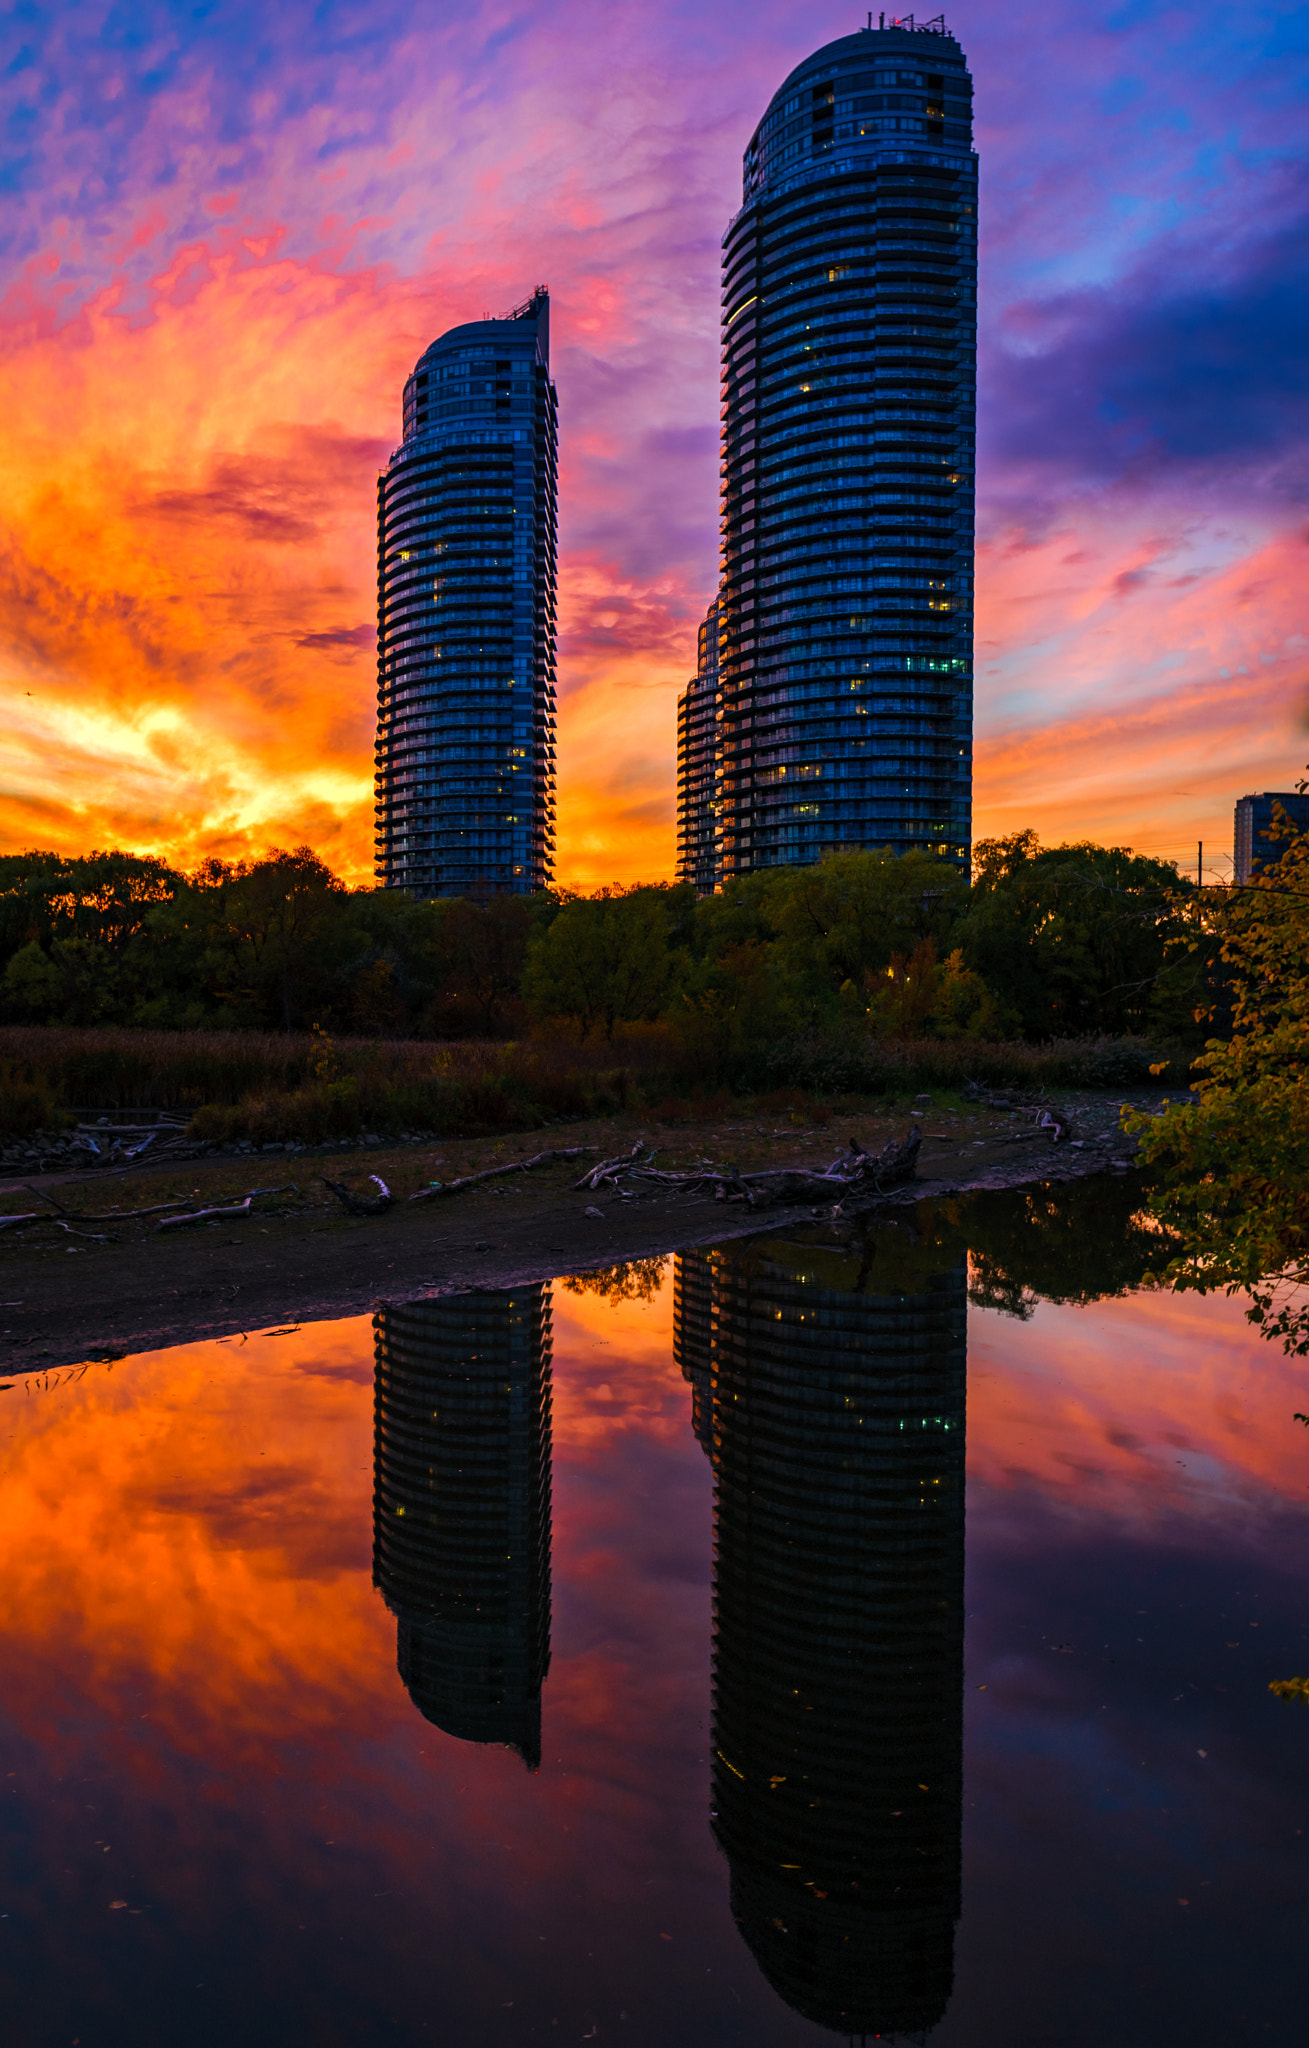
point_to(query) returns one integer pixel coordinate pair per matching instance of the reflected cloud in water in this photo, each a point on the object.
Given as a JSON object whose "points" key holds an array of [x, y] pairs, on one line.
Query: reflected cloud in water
{"points": [[743, 1647]]}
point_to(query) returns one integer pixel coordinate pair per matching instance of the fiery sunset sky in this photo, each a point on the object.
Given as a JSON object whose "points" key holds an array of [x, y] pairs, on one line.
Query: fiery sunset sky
{"points": [[228, 232]]}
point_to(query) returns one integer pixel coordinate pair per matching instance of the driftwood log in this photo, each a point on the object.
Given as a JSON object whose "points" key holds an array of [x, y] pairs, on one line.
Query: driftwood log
{"points": [[183, 1213], [94, 1138], [203, 1216], [116, 1215], [628, 1175], [855, 1173], [361, 1205], [222, 1215], [608, 1169], [472, 1180], [19, 1222]]}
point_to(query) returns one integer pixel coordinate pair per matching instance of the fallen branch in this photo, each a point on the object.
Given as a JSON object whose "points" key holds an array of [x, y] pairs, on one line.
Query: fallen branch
{"points": [[470, 1180], [354, 1205], [596, 1175], [203, 1216], [214, 1215], [17, 1223], [175, 1125], [118, 1215], [861, 1173]]}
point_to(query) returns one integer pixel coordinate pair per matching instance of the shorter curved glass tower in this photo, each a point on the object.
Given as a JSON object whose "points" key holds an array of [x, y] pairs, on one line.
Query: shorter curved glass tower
{"points": [[849, 396], [461, 1507], [466, 576]]}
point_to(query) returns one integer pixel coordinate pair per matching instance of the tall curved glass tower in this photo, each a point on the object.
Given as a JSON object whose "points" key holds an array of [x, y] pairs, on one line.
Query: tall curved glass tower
{"points": [[829, 1389], [849, 399], [466, 574]]}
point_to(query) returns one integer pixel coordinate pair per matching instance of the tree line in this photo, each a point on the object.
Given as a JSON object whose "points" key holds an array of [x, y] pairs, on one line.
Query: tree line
{"points": [[1042, 943]]}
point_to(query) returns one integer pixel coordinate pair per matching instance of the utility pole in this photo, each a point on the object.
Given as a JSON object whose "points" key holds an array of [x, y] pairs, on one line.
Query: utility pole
{"points": [[1199, 863]]}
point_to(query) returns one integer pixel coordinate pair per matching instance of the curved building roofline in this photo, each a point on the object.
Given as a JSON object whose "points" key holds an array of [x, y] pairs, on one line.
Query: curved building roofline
{"points": [[532, 315], [874, 43]]}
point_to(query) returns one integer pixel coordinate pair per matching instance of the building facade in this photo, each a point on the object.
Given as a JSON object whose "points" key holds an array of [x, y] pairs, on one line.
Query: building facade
{"points": [[849, 404], [697, 765], [461, 1507], [832, 1405], [466, 587], [1254, 848]]}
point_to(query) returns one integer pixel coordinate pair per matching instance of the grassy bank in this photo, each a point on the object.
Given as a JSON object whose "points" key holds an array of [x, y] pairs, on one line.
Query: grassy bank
{"points": [[269, 1087]]}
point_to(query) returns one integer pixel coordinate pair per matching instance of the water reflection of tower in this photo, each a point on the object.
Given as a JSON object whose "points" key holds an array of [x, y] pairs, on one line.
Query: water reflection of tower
{"points": [[693, 1308], [837, 1433], [461, 1507]]}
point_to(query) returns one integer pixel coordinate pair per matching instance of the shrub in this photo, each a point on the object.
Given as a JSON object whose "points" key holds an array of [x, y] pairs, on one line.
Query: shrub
{"points": [[27, 1104]]}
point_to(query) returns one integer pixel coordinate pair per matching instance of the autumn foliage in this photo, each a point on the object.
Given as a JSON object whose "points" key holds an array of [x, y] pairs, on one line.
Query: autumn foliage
{"points": [[1232, 1170]]}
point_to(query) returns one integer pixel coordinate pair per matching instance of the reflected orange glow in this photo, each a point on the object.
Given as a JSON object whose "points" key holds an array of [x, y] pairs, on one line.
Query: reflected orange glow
{"points": [[614, 1369], [184, 1521], [176, 1519], [185, 1525]]}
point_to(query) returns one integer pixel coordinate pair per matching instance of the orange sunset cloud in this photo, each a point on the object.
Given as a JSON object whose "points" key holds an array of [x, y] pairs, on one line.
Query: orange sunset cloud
{"points": [[1132, 689]]}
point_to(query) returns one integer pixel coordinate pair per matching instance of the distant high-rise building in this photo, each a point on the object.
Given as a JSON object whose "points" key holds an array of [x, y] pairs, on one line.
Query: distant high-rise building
{"points": [[1254, 815], [461, 1508], [830, 1392], [849, 401], [466, 576], [697, 769]]}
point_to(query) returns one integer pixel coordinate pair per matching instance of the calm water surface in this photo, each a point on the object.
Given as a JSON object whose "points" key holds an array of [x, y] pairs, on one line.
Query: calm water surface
{"points": [[768, 1646]]}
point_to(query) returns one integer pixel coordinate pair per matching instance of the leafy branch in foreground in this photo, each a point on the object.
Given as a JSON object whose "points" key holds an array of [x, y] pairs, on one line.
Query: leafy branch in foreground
{"points": [[1232, 1172]]}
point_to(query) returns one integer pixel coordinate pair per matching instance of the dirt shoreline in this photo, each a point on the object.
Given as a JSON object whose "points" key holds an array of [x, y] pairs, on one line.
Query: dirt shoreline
{"points": [[317, 1264]]}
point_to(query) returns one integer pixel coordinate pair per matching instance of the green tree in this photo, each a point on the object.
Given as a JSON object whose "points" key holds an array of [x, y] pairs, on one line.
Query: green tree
{"points": [[1080, 937], [276, 933], [93, 921], [105, 897], [1231, 1172], [485, 946], [729, 1005], [919, 996], [853, 913], [828, 926], [607, 959], [33, 985]]}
